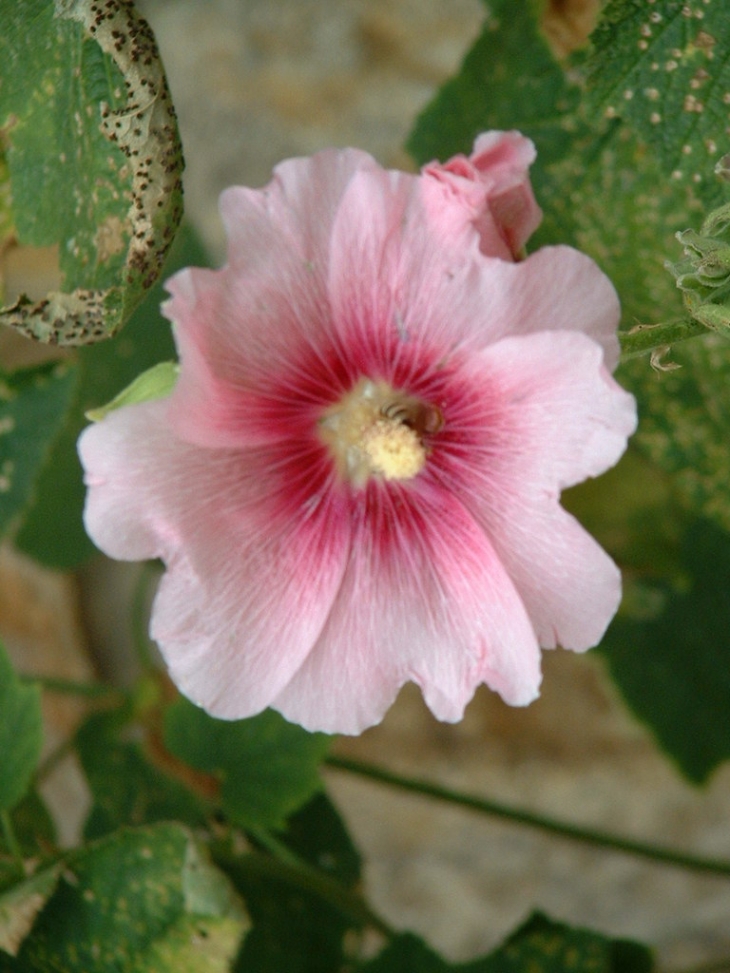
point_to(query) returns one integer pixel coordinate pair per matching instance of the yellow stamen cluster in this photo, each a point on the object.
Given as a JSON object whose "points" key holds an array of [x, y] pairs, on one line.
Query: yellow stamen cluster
{"points": [[374, 430]]}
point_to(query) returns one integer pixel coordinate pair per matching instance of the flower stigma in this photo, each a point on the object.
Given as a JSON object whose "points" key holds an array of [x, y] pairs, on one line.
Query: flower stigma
{"points": [[374, 430]]}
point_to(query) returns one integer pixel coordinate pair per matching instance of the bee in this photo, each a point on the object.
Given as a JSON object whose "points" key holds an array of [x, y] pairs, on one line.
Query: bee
{"points": [[423, 418]]}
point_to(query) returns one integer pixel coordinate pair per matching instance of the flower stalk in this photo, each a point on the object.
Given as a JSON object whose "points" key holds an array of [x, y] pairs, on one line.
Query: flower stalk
{"points": [[645, 339], [587, 836], [304, 877]]}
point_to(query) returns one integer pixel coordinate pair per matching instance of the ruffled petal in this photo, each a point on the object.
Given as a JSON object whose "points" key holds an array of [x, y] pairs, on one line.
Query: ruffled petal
{"points": [[399, 288], [424, 599], [540, 413], [416, 298], [251, 574], [490, 190], [248, 334], [554, 289]]}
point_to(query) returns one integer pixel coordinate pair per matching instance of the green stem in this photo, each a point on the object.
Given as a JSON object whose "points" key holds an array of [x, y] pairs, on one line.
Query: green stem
{"points": [[588, 836], [10, 840], [277, 848], [257, 865], [53, 759], [644, 339]]}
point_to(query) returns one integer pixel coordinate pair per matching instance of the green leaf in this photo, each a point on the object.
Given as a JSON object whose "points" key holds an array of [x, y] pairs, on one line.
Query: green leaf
{"points": [[94, 159], [295, 930], [552, 947], [407, 954], [509, 79], [662, 67], [145, 901], [603, 199], [669, 651], [20, 905], [21, 734], [53, 530], [33, 405], [685, 417], [33, 827], [607, 205], [127, 789], [539, 946], [317, 833], [267, 767]]}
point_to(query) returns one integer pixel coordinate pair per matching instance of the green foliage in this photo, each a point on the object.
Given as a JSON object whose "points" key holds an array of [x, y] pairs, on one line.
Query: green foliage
{"points": [[20, 905], [669, 651], [293, 928], [127, 788], [53, 531], [685, 416], [540, 946], [94, 160], [32, 825], [703, 275], [603, 199], [509, 79], [552, 947], [140, 901], [21, 734], [267, 767], [662, 67], [33, 403]]}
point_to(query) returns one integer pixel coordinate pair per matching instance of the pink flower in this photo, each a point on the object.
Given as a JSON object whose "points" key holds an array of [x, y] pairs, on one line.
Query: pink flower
{"points": [[493, 183], [356, 481]]}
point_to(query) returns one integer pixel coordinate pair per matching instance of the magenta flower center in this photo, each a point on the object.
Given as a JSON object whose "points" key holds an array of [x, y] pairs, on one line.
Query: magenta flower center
{"points": [[375, 430]]}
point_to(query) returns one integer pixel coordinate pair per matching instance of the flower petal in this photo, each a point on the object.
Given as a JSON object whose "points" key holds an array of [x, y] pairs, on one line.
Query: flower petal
{"points": [[249, 581], [265, 313], [490, 190], [547, 415], [394, 274], [554, 289], [424, 599]]}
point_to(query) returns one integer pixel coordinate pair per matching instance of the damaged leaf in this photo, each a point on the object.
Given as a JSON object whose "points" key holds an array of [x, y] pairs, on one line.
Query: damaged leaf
{"points": [[94, 160]]}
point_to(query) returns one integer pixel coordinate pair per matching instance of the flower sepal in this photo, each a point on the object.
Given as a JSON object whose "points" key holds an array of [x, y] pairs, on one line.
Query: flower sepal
{"points": [[155, 383]]}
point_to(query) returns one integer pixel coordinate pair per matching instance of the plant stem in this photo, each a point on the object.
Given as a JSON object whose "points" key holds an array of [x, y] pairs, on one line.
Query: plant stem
{"points": [[644, 339], [53, 759], [588, 836], [302, 876], [277, 848]]}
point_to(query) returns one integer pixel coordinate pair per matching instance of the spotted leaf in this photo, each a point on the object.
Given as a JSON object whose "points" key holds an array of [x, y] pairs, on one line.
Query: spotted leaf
{"points": [[94, 160], [662, 66], [143, 901]]}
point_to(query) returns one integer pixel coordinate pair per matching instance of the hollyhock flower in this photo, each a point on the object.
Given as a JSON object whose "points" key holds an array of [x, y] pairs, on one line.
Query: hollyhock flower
{"points": [[355, 482], [500, 196]]}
